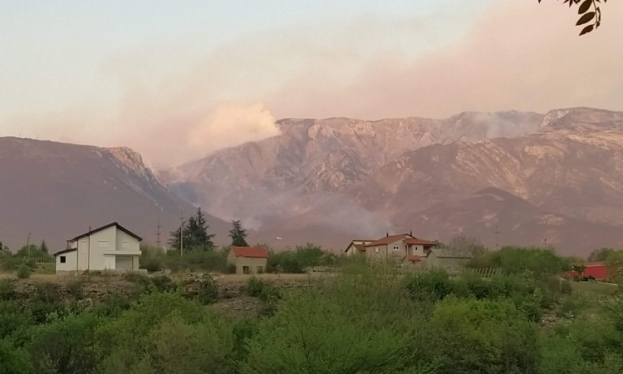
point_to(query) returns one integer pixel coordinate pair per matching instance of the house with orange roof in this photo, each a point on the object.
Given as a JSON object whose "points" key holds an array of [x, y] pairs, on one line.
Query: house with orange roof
{"points": [[400, 248], [406, 249], [357, 246], [248, 260]]}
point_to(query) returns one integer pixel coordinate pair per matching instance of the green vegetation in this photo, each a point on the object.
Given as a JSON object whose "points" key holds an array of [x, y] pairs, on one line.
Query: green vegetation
{"points": [[238, 235], [365, 318], [194, 234], [26, 260]]}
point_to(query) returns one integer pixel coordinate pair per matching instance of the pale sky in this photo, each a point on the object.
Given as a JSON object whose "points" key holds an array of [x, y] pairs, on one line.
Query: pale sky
{"points": [[176, 80]]}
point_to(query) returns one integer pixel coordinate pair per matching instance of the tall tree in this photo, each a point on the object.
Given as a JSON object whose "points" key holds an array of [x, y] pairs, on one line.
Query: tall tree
{"points": [[238, 235], [195, 234], [44, 247], [198, 232]]}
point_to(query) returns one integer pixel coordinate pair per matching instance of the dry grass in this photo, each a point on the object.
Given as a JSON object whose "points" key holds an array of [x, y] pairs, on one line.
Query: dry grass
{"points": [[220, 278]]}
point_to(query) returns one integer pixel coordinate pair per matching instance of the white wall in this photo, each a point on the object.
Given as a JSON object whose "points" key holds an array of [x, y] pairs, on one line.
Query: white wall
{"points": [[70, 261], [126, 242], [97, 252]]}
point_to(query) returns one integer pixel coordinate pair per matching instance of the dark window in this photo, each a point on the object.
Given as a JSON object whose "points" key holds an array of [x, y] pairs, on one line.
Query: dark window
{"points": [[63, 260], [245, 269]]}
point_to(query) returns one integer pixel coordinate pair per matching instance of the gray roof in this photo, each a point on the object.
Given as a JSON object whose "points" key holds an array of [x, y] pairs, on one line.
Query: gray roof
{"points": [[451, 253]]}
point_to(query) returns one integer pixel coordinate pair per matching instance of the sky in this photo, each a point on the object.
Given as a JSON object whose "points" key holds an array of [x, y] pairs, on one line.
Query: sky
{"points": [[176, 80]]}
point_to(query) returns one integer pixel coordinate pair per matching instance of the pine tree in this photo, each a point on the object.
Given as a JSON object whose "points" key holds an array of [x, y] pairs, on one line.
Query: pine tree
{"points": [[44, 247], [238, 235], [198, 232]]}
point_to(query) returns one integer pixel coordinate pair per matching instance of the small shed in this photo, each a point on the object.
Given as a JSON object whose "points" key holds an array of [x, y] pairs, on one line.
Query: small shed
{"points": [[597, 270], [248, 260]]}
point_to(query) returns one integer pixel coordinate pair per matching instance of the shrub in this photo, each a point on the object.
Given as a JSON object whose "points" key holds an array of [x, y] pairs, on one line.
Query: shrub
{"points": [[231, 269], [254, 287], [434, 284], [23, 271], [76, 289], [7, 290]]}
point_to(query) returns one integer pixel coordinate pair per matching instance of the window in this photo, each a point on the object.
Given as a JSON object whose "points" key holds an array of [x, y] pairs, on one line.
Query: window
{"points": [[245, 269], [376, 249], [396, 248], [63, 259]]}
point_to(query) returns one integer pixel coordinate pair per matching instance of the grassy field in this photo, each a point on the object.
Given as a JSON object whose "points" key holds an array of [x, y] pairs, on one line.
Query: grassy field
{"points": [[599, 288]]}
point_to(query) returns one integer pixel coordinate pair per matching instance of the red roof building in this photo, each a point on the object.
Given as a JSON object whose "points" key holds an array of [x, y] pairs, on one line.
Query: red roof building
{"points": [[250, 252], [598, 270], [248, 260]]}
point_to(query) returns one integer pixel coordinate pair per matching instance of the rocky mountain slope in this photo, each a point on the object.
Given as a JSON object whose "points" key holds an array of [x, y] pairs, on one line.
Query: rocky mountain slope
{"points": [[55, 191], [285, 176], [557, 177]]}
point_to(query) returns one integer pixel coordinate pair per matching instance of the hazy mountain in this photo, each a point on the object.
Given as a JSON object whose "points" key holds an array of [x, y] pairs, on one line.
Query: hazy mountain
{"points": [[557, 176], [55, 191], [287, 175]]}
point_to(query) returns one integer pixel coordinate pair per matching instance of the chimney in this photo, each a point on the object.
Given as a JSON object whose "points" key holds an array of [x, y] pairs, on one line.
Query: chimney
{"points": [[411, 233], [386, 234]]}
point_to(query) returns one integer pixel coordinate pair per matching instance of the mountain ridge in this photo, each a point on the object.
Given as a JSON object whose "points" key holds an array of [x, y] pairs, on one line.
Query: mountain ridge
{"points": [[385, 170]]}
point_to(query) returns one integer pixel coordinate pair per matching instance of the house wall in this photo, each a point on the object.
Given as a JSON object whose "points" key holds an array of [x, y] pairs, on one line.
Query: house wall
{"points": [[100, 243], [417, 250], [70, 261], [252, 263], [126, 242], [449, 264], [99, 251], [388, 251], [124, 263]]}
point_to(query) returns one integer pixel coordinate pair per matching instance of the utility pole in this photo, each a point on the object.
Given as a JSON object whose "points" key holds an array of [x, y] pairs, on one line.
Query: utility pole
{"points": [[28, 244], [158, 234], [497, 232], [181, 234]]}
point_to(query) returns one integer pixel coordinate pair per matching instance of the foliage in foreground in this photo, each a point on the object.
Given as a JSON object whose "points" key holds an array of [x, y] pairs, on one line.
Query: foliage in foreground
{"points": [[368, 319]]}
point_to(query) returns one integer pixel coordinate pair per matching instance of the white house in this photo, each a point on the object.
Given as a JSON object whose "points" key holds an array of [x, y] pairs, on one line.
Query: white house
{"points": [[110, 247]]}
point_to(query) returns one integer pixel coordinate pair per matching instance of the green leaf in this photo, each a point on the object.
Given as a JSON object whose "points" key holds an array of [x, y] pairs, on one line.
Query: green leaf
{"points": [[586, 18], [586, 5], [586, 30]]}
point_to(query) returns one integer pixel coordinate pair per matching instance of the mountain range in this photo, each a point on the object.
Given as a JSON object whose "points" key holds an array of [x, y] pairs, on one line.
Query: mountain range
{"points": [[55, 191], [506, 178]]}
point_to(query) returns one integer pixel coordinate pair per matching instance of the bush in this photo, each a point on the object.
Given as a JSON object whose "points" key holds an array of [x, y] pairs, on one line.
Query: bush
{"points": [[23, 271], [76, 289], [231, 269], [7, 290], [254, 287], [430, 285]]}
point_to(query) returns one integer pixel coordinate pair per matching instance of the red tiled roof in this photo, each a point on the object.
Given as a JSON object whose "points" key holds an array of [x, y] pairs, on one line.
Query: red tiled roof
{"points": [[413, 258], [416, 241], [409, 239], [358, 245], [387, 240], [250, 252]]}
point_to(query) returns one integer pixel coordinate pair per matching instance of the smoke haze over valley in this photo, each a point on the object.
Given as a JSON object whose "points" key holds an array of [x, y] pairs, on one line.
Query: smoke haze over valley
{"points": [[313, 121]]}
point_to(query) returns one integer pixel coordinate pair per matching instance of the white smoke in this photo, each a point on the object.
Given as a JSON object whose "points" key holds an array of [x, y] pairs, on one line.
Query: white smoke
{"points": [[230, 125]]}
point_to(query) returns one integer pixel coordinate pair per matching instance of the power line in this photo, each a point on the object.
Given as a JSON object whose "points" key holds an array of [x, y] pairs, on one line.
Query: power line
{"points": [[497, 232], [181, 234], [158, 234]]}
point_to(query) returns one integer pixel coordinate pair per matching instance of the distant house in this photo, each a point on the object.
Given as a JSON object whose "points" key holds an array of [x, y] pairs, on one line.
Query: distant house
{"points": [[110, 247], [248, 260], [357, 247], [597, 270], [406, 249], [399, 248], [450, 260]]}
